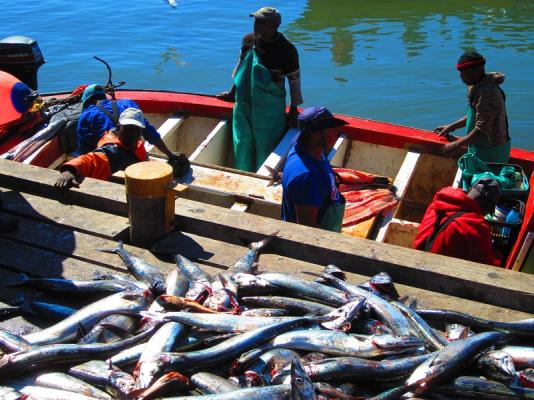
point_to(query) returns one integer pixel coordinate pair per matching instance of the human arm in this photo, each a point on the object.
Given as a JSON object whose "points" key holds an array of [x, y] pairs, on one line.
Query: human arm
{"points": [[470, 138], [91, 127], [92, 165], [444, 130], [228, 95], [307, 215], [303, 192], [295, 89]]}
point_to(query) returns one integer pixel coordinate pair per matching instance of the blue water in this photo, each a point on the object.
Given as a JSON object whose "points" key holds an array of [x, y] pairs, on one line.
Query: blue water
{"points": [[384, 60]]}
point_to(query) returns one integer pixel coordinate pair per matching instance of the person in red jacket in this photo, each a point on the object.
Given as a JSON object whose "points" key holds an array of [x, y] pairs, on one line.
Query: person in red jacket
{"points": [[454, 224], [116, 150]]}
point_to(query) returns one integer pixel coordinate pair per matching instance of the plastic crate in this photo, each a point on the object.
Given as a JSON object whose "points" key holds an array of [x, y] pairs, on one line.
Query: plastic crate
{"points": [[518, 193], [504, 234]]}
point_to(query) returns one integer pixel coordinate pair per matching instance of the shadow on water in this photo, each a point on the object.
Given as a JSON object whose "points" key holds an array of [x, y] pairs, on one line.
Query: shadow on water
{"points": [[348, 22]]}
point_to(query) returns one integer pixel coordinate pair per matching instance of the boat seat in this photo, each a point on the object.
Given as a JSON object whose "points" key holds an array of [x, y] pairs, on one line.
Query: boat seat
{"points": [[167, 129], [275, 161]]}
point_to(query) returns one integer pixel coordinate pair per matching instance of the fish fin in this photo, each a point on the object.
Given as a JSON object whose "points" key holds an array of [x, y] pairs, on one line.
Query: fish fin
{"points": [[120, 246], [80, 332], [22, 278], [264, 242], [152, 316]]}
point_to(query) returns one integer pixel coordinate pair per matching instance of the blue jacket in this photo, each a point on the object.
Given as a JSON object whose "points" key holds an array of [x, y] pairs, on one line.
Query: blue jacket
{"points": [[93, 123]]}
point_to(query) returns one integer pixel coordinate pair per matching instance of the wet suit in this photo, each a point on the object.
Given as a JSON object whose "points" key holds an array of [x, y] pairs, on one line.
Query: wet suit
{"points": [[259, 110]]}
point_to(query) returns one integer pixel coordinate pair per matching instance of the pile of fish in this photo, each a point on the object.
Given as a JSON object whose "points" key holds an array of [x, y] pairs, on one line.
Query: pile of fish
{"points": [[243, 335]]}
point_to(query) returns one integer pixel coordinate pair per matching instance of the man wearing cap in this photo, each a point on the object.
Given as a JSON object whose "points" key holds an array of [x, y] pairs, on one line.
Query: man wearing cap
{"points": [[117, 149], [486, 121], [259, 118], [310, 195], [99, 115], [454, 223]]}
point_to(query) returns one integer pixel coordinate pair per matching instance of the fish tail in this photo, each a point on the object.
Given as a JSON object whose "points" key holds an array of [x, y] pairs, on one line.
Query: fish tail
{"points": [[257, 246], [21, 279], [116, 250]]}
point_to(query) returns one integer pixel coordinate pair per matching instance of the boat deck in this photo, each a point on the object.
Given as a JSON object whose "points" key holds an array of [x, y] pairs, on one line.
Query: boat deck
{"points": [[60, 234]]}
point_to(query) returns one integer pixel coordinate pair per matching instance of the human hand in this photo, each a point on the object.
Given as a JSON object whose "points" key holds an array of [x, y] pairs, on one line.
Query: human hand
{"points": [[291, 117], [226, 96], [180, 164], [67, 180], [443, 130]]}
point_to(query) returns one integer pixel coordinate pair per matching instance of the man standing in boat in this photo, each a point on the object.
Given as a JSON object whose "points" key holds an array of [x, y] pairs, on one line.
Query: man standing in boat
{"points": [[486, 120], [310, 194], [454, 223], [117, 149], [259, 118], [100, 115]]}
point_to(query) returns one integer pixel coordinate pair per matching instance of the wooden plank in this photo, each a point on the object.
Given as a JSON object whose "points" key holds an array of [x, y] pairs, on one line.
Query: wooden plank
{"points": [[276, 159], [78, 256], [523, 252], [401, 183], [432, 272], [214, 256], [166, 130], [63, 214]]}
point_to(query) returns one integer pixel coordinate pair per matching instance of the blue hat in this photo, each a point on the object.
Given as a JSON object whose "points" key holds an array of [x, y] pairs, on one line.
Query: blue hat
{"points": [[90, 91], [315, 119]]}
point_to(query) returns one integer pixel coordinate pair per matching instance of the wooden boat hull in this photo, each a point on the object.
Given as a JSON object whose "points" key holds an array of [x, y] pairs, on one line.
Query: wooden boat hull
{"points": [[199, 126]]}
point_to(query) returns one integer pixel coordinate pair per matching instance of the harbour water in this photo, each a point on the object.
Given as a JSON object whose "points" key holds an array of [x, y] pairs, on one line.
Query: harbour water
{"points": [[385, 60]]}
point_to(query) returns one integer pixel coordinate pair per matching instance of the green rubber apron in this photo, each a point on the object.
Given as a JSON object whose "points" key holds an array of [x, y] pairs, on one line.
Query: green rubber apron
{"points": [[482, 147], [332, 218], [258, 115]]}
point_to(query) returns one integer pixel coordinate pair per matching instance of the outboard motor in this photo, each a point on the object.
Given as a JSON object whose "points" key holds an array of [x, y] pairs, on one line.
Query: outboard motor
{"points": [[21, 57]]}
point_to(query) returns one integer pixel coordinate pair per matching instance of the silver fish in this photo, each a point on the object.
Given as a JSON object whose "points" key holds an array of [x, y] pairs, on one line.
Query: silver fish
{"points": [[218, 322], [296, 306], [343, 344], [66, 330], [497, 365], [209, 383], [141, 269], [103, 374], [228, 349], [301, 385], [105, 286], [199, 281], [451, 360]]}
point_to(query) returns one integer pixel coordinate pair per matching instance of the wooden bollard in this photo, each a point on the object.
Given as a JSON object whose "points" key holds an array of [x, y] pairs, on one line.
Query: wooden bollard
{"points": [[150, 201]]}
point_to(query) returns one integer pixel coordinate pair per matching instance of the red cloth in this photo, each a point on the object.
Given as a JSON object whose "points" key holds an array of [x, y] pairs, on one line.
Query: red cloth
{"points": [[468, 236], [95, 164]]}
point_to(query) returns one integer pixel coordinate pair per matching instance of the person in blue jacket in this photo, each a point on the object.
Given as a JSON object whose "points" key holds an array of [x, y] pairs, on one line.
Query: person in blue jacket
{"points": [[310, 195], [100, 115]]}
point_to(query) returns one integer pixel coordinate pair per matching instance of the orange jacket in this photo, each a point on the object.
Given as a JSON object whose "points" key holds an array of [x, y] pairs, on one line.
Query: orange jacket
{"points": [[109, 157]]}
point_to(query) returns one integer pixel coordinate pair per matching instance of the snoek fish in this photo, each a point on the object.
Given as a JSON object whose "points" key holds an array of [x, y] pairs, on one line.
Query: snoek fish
{"points": [[141, 269], [66, 330], [451, 360]]}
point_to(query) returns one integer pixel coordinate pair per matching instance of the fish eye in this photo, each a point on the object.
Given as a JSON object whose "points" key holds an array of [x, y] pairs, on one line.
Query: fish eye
{"points": [[299, 381]]}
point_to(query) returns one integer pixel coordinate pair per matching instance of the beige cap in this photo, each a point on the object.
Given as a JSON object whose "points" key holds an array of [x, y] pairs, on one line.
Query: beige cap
{"points": [[132, 116]]}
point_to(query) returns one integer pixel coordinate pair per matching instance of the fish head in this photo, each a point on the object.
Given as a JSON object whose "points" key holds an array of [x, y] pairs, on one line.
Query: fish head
{"points": [[301, 384], [343, 316], [497, 364]]}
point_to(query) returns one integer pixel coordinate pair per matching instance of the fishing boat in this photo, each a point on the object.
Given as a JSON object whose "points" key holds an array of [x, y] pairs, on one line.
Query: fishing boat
{"points": [[200, 126]]}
